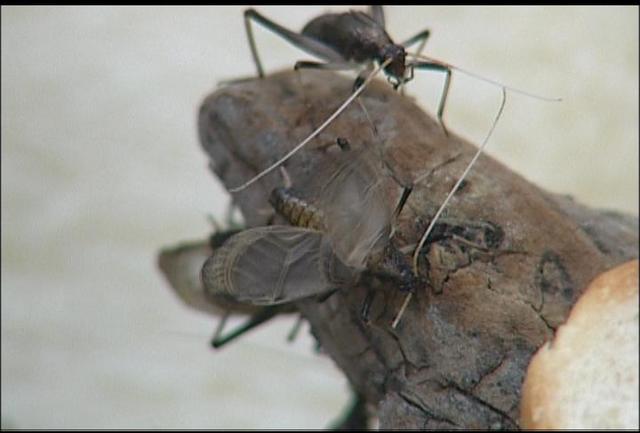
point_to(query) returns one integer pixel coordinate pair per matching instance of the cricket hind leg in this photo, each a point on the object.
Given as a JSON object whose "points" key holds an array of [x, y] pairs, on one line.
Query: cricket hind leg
{"points": [[377, 13], [258, 318], [301, 41]]}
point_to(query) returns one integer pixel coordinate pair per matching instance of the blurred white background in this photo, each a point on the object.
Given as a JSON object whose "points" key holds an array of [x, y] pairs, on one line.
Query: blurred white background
{"points": [[101, 167]]}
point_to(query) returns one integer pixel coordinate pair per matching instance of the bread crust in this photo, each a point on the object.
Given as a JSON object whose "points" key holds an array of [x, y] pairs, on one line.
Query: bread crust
{"points": [[587, 377]]}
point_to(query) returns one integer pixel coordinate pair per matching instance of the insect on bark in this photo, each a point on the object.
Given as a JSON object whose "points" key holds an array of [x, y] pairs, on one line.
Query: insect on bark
{"points": [[349, 41], [356, 40], [179, 265], [340, 239]]}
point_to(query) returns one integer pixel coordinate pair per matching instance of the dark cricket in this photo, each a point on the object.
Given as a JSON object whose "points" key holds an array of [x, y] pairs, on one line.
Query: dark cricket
{"points": [[492, 285]]}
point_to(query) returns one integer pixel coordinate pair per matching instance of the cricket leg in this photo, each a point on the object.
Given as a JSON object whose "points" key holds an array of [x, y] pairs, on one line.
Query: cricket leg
{"points": [[445, 90], [296, 328], [301, 41], [221, 324], [258, 318], [366, 305], [421, 37], [377, 13]]}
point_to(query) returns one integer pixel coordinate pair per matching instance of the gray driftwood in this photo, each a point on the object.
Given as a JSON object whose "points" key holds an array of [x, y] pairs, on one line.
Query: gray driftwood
{"points": [[507, 265]]}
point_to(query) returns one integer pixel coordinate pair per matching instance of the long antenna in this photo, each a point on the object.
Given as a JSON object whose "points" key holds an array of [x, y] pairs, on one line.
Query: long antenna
{"points": [[444, 204], [480, 77], [455, 187], [317, 131]]}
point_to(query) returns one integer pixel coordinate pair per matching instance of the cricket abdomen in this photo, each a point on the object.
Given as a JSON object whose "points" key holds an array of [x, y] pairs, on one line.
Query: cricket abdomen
{"points": [[296, 210], [355, 35]]}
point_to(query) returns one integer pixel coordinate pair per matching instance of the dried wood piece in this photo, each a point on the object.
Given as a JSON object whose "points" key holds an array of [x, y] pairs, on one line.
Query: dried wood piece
{"points": [[505, 265]]}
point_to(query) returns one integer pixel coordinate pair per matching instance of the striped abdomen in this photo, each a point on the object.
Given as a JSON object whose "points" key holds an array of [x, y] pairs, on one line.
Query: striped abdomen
{"points": [[297, 211]]}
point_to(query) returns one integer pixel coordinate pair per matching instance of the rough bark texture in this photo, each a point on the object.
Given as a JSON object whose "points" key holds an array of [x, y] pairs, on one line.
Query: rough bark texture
{"points": [[506, 265]]}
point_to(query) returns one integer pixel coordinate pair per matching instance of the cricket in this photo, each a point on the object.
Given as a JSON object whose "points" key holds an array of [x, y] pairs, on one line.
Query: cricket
{"points": [[346, 238], [356, 40], [382, 208]]}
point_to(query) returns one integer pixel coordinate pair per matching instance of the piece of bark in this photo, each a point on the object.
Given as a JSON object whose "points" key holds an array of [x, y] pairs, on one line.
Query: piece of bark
{"points": [[504, 268]]}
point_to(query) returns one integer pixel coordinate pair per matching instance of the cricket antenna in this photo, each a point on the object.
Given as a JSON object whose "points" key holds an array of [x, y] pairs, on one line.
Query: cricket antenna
{"points": [[455, 187], [485, 79], [401, 312], [316, 132], [446, 201]]}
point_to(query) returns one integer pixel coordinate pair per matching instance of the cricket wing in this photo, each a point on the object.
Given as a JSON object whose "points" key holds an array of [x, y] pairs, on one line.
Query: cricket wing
{"points": [[182, 265], [273, 265], [356, 214]]}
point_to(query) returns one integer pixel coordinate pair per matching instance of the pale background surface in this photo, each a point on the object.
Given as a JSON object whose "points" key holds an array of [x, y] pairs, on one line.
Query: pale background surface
{"points": [[101, 167]]}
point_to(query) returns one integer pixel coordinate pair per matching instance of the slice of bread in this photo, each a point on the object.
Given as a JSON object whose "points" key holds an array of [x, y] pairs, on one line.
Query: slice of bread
{"points": [[587, 377]]}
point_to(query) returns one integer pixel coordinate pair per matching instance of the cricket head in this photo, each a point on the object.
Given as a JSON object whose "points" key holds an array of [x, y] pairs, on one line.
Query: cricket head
{"points": [[391, 266], [395, 69]]}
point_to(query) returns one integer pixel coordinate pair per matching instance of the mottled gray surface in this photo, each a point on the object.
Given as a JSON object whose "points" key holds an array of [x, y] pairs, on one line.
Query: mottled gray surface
{"points": [[101, 167]]}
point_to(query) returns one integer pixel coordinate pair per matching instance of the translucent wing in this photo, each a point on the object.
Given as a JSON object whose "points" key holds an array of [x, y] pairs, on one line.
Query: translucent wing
{"points": [[351, 197], [182, 265], [273, 265]]}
